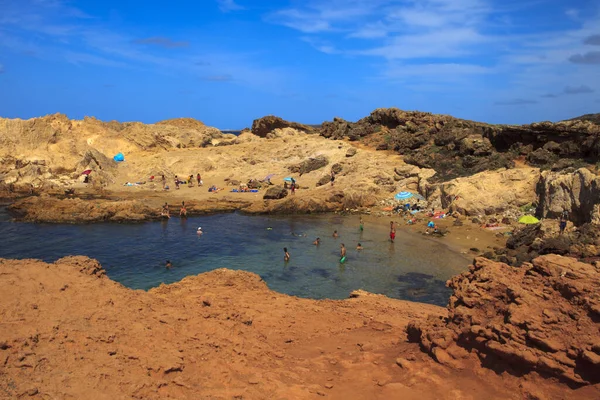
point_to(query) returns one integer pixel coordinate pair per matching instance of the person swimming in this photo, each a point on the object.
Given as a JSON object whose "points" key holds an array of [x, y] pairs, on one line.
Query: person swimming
{"points": [[168, 264], [199, 231], [317, 241], [335, 234], [359, 247], [286, 255]]}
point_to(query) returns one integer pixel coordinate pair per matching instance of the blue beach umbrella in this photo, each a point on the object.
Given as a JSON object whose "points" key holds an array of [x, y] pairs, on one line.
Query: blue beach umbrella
{"points": [[403, 195], [287, 179]]}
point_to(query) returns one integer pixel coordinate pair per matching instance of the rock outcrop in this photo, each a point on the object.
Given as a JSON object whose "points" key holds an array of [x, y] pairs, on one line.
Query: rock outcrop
{"points": [[275, 193], [577, 192], [490, 192], [51, 209], [455, 147], [265, 125], [542, 317], [311, 164]]}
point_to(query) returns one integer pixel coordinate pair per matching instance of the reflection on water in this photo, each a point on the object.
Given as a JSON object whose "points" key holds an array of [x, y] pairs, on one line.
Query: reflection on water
{"points": [[412, 268]]}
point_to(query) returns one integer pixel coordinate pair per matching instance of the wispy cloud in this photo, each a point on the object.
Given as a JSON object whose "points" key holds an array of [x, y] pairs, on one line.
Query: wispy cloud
{"points": [[515, 102], [592, 57], [583, 89], [218, 78], [229, 5], [593, 40], [161, 42]]}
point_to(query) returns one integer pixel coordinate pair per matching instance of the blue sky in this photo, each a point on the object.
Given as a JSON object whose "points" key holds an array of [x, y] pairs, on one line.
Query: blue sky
{"points": [[227, 62]]}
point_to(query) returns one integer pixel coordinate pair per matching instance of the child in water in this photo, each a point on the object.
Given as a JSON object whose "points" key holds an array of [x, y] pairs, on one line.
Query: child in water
{"points": [[286, 256], [335, 234], [168, 264], [359, 247], [317, 241]]}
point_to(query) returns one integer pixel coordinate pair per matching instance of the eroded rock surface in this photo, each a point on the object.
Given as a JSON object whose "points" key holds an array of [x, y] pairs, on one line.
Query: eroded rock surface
{"points": [[543, 316]]}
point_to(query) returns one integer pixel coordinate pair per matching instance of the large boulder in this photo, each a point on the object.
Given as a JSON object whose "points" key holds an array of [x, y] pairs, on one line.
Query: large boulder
{"points": [[540, 317], [311, 164], [275, 193], [576, 192], [265, 125], [491, 192]]}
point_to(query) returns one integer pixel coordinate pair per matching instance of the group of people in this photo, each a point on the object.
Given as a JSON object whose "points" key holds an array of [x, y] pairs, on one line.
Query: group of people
{"points": [[190, 181], [335, 235]]}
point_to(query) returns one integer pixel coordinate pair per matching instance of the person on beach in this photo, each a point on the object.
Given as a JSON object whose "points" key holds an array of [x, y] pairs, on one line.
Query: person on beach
{"points": [[176, 182], [342, 251], [317, 241], [361, 224], [183, 210], [332, 177], [165, 211], [286, 255], [359, 247], [191, 181], [168, 264], [199, 179], [392, 232], [164, 182], [335, 234]]}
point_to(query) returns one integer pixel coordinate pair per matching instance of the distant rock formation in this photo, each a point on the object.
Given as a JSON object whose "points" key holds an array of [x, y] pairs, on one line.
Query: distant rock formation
{"points": [[595, 118], [265, 125], [577, 192], [542, 316]]}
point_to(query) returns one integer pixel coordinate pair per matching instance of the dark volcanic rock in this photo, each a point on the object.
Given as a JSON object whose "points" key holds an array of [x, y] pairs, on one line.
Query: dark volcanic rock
{"points": [[262, 126], [275, 193]]}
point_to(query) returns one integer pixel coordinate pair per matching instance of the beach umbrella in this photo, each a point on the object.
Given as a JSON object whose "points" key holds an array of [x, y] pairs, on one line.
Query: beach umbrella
{"points": [[268, 177], [86, 172], [403, 195], [287, 179], [528, 219]]}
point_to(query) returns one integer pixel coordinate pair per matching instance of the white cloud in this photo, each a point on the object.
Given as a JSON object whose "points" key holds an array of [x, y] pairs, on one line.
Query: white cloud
{"points": [[229, 5]]}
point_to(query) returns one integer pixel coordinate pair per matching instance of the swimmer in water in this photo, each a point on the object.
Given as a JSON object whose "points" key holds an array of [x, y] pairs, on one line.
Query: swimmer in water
{"points": [[286, 255], [342, 251], [335, 234], [168, 264], [317, 241], [199, 231], [359, 247]]}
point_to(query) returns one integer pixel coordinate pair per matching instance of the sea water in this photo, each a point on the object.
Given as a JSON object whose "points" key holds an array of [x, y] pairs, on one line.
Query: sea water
{"points": [[413, 268]]}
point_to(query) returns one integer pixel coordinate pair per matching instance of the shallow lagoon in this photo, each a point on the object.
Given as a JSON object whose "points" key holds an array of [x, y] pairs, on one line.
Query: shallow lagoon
{"points": [[413, 268]]}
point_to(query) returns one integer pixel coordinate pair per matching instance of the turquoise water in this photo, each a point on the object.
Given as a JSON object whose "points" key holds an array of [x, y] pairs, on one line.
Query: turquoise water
{"points": [[413, 268]]}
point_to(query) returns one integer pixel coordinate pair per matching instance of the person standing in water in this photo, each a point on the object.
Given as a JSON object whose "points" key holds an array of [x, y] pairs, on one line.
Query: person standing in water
{"points": [[335, 234], [286, 255], [359, 247], [361, 224], [317, 241], [168, 264], [392, 231], [183, 211], [342, 252]]}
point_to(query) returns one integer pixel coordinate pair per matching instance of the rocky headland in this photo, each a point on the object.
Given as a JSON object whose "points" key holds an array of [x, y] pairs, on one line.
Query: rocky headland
{"points": [[527, 310]]}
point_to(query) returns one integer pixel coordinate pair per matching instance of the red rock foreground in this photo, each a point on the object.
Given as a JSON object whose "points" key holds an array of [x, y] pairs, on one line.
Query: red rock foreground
{"points": [[543, 316], [67, 331]]}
